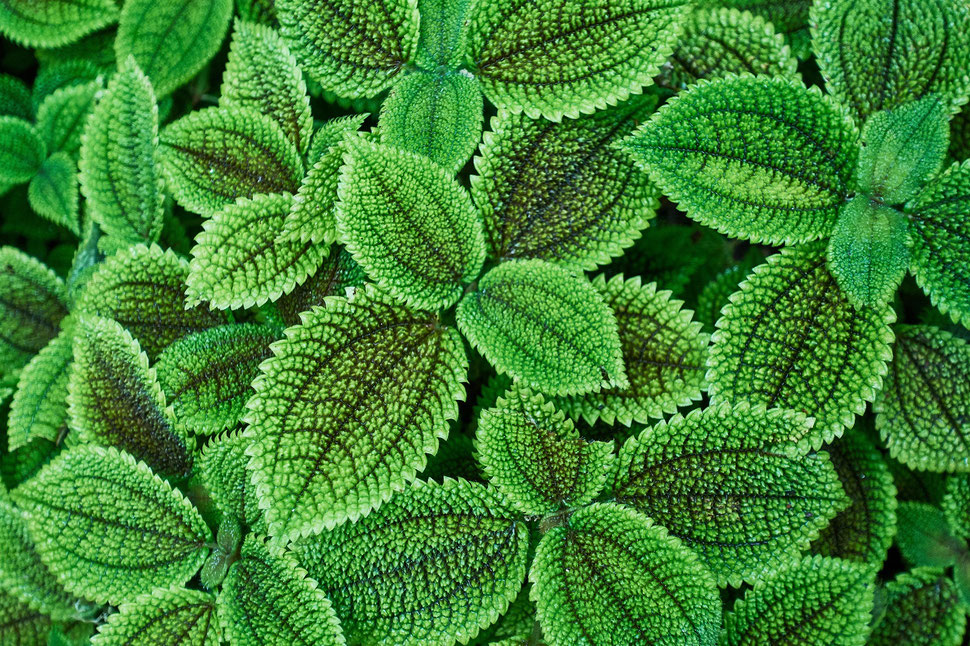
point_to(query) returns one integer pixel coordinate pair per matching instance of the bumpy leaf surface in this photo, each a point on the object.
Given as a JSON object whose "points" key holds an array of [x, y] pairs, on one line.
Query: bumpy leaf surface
{"points": [[20, 625], [444, 33], [39, 405], [924, 536], [922, 609], [62, 115], [54, 22], [175, 617], [222, 467], [956, 505], [22, 151], [338, 272], [53, 191], [15, 98], [32, 304], [789, 17]]}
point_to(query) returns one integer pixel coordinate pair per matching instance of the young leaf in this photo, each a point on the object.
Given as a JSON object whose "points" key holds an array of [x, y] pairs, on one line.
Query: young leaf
{"points": [[923, 409], [789, 338], [119, 176], [347, 408], [174, 617], [328, 136], [763, 159], [222, 467], [437, 563], [409, 224], [212, 157], [815, 601], [53, 192], [663, 351], [923, 598], [733, 485], [608, 575], [352, 49], [39, 405], [110, 529], [956, 505], [545, 326], [337, 273], [533, 455], [443, 35], [173, 40], [924, 536], [22, 151], [20, 625], [562, 191], [555, 59], [53, 23], [62, 115]]}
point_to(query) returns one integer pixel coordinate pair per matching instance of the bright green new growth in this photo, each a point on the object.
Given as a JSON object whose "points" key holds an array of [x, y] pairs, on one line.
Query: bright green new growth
{"points": [[39, 405], [222, 468], [62, 114], [443, 34], [436, 563], [924, 598], [108, 528], [608, 575], [22, 151], [409, 224], [545, 326], [52, 23], [924, 536], [175, 616], [53, 191], [923, 409]]}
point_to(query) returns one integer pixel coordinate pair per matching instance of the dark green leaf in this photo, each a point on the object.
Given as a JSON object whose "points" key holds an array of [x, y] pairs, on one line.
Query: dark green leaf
{"points": [[53, 192], [19, 624], [22, 151], [52, 23], [956, 505], [175, 617], [15, 98], [924, 536], [789, 17], [338, 272], [922, 609]]}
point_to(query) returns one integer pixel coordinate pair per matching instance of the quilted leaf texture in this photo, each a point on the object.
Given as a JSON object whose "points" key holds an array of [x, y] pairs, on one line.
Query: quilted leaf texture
{"points": [[54, 23], [62, 114], [443, 35], [53, 191], [22, 151], [337, 273], [21, 625], [924, 536], [956, 505], [926, 598], [33, 300], [173, 617], [222, 468], [39, 405]]}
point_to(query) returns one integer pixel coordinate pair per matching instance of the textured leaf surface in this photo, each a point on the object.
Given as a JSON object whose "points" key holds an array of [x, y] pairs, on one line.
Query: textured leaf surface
{"points": [[756, 158], [923, 409], [53, 191], [15, 98], [108, 528], [546, 326], [790, 338], [54, 22], [608, 575], [62, 115], [444, 33], [32, 304], [559, 58], [436, 563], [347, 408], [924, 536], [39, 405], [923, 598], [789, 17], [956, 505], [222, 467], [338, 272], [175, 617], [562, 191], [20, 625], [22, 151]]}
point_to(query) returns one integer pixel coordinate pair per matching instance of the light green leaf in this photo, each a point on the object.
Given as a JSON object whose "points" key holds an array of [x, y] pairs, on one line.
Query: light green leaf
{"points": [[39, 405], [19, 624], [922, 609], [737, 485], [15, 98], [172, 40], [789, 17], [175, 617], [22, 151], [60, 73], [347, 408], [222, 467], [562, 191], [545, 326], [815, 601], [555, 59], [336, 274], [119, 175], [956, 505], [62, 115], [925, 538], [53, 192], [110, 529], [444, 33], [436, 563], [53, 23], [790, 338], [350, 48], [923, 409], [261, 73], [212, 157], [409, 224], [763, 159], [609, 575]]}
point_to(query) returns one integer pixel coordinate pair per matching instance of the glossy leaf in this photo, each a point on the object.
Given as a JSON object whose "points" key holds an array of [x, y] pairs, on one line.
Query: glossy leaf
{"points": [[924, 536], [62, 115], [53, 192], [22, 151], [39, 405], [222, 467], [924, 598], [54, 22], [174, 617], [32, 304], [443, 35], [336, 274]]}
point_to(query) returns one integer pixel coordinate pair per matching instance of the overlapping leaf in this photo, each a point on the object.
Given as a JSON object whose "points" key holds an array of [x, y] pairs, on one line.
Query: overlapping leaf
{"points": [[789, 18], [956, 505], [62, 114], [222, 467], [20, 625], [15, 98], [173, 617], [443, 33], [924, 536], [32, 304], [336, 274], [925, 598], [54, 22], [22, 151], [53, 191], [39, 405]]}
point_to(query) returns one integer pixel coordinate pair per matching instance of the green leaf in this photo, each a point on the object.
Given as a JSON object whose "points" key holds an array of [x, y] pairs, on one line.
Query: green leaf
{"points": [[53, 23], [926, 599], [39, 405], [352, 49], [959, 134], [261, 73], [924, 536], [443, 35], [790, 338], [114, 399], [789, 17], [878, 54], [222, 467], [532, 454], [409, 224], [956, 505], [62, 115], [15, 98], [923, 409], [763, 159], [239, 259], [663, 351], [61, 73], [53, 192], [546, 326], [22, 151], [737, 485], [32, 304], [609, 575], [717, 292], [212, 157], [119, 175], [20, 465], [868, 254], [555, 59], [19, 624], [562, 191], [815, 601], [436, 563], [175, 617], [336, 274], [347, 408], [173, 40], [143, 288], [110, 529], [267, 599]]}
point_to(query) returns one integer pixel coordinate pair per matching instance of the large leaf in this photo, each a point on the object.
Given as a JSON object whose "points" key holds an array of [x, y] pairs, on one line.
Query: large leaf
{"points": [[62, 115], [21, 625], [733, 484], [924, 598], [337, 273], [174, 617], [437, 563], [790, 338], [109, 528], [53, 23], [222, 467], [565, 57], [22, 151], [347, 408], [608, 575], [763, 159], [32, 304], [923, 409], [39, 405], [562, 191], [443, 34], [546, 326], [53, 191]]}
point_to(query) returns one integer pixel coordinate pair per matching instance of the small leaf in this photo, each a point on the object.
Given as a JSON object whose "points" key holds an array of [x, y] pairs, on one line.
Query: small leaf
{"points": [[409, 224], [956, 505], [53, 192], [39, 405], [924, 537], [62, 115], [32, 304], [336, 274], [173, 40], [222, 467], [53, 23], [555, 59], [923, 409], [110, 529], [20, 625], [608, 575], [546, 326], [924, 598], [175, 617], [22, 151], [444, 33], [437, 563]]}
